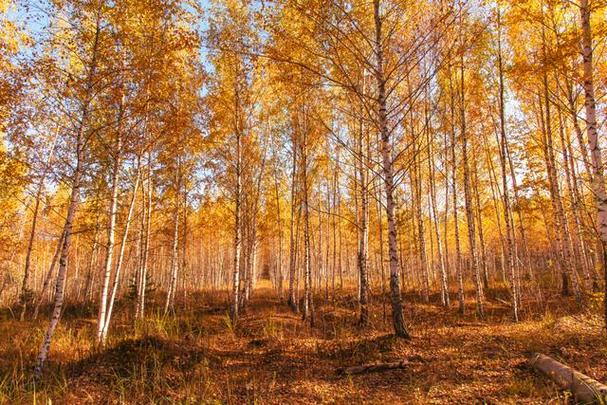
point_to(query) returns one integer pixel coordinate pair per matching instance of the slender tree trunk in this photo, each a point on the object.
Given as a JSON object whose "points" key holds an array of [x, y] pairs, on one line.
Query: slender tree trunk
{"points": [[90, 272], [363, 232], [237, 229], [335, 192], [107, 271], [505, 190], [386, 148], [468, 199], [67, 232], [307, 305], [279, 225], [444, 288], [73, 203], [458, 254], [170, 299], [48, 277], [120, 259], [593, 139], [479, 221], [140, 313], [380, 226], [292, 248], [416, 180]]}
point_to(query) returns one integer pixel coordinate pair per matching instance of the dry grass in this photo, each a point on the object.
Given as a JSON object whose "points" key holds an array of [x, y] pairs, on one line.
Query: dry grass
{"points": [[271, 356]]}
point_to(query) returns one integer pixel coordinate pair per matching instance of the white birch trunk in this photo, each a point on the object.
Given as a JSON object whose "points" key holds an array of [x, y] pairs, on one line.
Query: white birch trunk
{"points": [[593, 138]]}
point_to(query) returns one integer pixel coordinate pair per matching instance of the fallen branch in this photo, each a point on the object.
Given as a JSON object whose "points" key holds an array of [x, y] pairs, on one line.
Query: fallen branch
{"points": [[370, 368], [582, 387], [471, 324]]}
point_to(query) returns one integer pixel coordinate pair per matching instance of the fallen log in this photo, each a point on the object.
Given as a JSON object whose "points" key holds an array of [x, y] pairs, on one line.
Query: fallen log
{"points": [[583, 388], [373, 367]]}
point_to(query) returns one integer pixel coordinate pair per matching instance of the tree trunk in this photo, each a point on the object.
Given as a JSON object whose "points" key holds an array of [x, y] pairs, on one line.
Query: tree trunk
{"points": [[444, 288], [292, 248], [107, 271], [583, 388], [237, 229], [363, 232], [61, 274], [170, 299], [140, 312], [593, 140], [307, 305], [48, 277], [509, 251], [458, 252], [279, 274], [468, 199], [386, 148], [72, 205], [119, 260]]}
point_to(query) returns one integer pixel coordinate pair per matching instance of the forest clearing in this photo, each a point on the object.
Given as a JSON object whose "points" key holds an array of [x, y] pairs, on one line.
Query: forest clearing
{"points": [[303, 201]]}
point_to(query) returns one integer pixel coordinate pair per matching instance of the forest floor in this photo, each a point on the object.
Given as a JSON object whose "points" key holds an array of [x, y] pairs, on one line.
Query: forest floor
{"points": [[272, 356]]}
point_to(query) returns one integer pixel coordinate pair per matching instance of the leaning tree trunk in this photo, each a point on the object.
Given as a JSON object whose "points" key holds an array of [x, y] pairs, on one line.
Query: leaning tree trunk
{"points": [[61, 274], [47, 278], [72, 205]]}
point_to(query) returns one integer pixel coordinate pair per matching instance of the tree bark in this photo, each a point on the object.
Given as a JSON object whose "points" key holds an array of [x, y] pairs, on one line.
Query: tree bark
{"points": [[170, 299], [107, 271], [593, 139], [583, 388], [398, 321], [48, 277], [458, 254], [307, 305], [120, 259], [363, 231], [73, 202], [67, 232], [468, 199], [292, 241], [509, 251], [237, 226]]}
